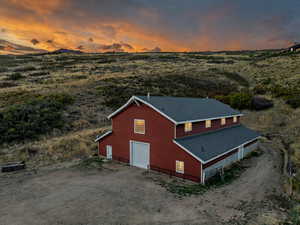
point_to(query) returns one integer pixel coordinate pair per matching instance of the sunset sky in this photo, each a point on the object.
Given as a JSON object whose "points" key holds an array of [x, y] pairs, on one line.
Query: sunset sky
{"points": [[146, 25]]}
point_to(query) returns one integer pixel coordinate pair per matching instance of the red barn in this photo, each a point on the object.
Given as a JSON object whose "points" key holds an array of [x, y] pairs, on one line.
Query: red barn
{"points": [[187, 137]]}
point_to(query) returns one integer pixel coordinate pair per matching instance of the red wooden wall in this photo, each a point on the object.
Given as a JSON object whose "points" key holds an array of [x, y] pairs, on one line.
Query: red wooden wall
{"points": [[199, 127], [159, 133]]}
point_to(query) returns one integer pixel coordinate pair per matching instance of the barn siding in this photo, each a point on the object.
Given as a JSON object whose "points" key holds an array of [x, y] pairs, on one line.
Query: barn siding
{"points": [[220, 158], [199, 127], [250, 147], [211, 168], [159, 133]]}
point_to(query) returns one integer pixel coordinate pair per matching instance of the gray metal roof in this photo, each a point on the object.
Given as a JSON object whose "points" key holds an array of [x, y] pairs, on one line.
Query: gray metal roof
{"points": [[209, 145], [188, 109]]}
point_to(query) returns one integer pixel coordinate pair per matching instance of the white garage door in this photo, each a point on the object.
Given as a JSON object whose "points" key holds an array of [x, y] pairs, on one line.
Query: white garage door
{"points": [[140, 154]]}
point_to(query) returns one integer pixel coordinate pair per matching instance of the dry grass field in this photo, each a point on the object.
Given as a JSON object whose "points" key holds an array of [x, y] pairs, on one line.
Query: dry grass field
{"points": [[63, 99]]}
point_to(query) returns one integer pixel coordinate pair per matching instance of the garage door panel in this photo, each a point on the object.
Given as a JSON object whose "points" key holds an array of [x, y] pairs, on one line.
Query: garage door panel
{"points": [[140, 154]]}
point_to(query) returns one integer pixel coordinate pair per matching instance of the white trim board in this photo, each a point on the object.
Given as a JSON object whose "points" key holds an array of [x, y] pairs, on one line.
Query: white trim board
{"points": [[134, 98], [102, 136], [157, 110], [122, 107], [188, 151]]}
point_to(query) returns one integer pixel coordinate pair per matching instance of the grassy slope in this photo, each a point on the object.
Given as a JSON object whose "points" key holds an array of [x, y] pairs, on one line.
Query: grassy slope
{"points": [[87, 76]]}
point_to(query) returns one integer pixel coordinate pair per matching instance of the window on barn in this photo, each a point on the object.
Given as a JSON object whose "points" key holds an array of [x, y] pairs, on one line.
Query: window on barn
{"points": [[223, 121], [235, 119], [188, 127], [179, 166], [207, 123], [139, 126]]}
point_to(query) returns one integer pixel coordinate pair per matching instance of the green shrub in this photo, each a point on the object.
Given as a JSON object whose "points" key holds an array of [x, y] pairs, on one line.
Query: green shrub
{"points": [[107, 60], [7, 61], [241, 100], [236, 77], [280, 91], [266, 81], [273, 54], [293, 101], [230, 75], [91, 163], [15, 76], [3, 69], [206, 57], [60, 98], [79, 77], [140, 57], [37, 74], [220, 61], [260, 89], [25, 69], [116, 91], [230, 174], [32, 118], [290, 94], [184, 190], [294, 216]]}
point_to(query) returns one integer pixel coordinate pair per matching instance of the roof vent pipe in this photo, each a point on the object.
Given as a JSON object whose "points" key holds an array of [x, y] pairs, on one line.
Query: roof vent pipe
{"points": [[148, 96]]}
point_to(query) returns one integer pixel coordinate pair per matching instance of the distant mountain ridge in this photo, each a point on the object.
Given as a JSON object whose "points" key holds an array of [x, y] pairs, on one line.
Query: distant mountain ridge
{"points": [[7, 48], [63, 50]]}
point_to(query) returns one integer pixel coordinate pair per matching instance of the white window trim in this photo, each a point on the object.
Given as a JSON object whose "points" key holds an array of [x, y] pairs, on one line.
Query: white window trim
{"points": [[177, 171], [144, 127]]}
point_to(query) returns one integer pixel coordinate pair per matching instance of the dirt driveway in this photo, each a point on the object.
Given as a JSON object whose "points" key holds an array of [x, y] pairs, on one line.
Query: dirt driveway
{"points": [[125, 195]]}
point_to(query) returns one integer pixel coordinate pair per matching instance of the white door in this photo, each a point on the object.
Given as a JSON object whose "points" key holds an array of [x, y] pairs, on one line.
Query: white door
{"points": [[241, 152], [108, 152], [140, 154]]}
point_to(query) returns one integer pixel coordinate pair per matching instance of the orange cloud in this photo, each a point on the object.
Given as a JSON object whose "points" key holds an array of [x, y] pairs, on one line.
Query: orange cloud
{"points": [[34, 22], [39, 6], [128, 25]]}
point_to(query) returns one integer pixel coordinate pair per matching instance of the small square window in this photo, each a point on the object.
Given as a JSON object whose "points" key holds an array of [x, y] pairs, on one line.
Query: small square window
{"points": [[207, 123], [223, 121], [188, 127], [234, 119], [139, 126], [179, 166]]}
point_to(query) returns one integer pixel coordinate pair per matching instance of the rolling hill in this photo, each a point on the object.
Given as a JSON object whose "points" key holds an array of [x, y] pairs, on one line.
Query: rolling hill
{"points": [[7, 48], [81, 89]]}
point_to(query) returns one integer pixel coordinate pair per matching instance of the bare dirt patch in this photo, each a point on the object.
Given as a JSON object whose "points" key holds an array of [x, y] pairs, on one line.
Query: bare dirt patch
{"points": [[118, 194]]}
